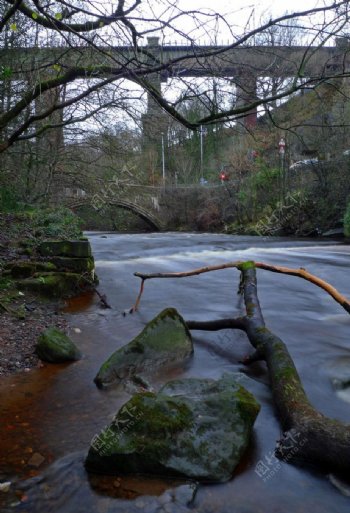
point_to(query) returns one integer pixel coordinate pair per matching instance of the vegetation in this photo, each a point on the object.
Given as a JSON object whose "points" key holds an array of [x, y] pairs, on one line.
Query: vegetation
{"points": [[68, 127]]}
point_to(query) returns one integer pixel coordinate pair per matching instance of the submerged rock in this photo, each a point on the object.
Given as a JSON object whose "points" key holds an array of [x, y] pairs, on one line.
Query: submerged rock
{"points": [[198, 428], [164, 341], [55, 347]]}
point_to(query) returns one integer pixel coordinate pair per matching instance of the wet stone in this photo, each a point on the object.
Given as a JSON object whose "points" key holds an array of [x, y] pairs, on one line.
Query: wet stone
{"points": [[164, 341], [198, 428], [54, 346], [36, 460]]}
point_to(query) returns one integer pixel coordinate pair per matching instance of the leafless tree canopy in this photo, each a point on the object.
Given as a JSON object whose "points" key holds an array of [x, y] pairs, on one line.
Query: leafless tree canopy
{"points": [[83, 59]]}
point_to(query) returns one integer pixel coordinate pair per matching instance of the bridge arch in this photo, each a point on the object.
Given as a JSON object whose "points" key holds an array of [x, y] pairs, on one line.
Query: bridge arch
{"points": [[141, 212]]}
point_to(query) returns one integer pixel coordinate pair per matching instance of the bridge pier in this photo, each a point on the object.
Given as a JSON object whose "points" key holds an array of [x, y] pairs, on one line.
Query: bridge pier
{"points": [[156, 120], [53, 138], [245, 94]]}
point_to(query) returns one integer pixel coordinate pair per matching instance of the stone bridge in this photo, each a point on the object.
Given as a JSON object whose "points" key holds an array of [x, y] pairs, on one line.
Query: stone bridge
{"points": [[161, 207], [153, 64]]}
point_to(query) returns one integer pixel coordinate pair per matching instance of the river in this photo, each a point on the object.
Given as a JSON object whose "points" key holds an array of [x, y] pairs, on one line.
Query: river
{"points": [[55, 411]]}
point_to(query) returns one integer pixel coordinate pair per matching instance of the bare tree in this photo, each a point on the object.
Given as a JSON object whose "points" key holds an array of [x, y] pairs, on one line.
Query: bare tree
{"points": [[82, 50]]}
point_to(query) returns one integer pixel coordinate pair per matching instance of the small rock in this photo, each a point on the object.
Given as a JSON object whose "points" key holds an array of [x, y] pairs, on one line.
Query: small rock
{"points": [[55, 347], [116, 484], [185, 494], [77, 330], [4, 487], [36, 460]]}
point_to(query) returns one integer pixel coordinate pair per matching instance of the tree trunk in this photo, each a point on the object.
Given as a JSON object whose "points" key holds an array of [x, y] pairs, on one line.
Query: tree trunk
{"points": [[309, 436]]}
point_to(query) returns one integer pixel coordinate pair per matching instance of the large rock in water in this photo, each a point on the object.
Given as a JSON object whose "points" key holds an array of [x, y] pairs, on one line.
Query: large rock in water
{"points": [[197, 428], [165, 340], [55, 347]]}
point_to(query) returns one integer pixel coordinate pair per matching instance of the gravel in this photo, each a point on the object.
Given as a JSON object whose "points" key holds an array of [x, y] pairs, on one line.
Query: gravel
{"points": [[18, 337]]}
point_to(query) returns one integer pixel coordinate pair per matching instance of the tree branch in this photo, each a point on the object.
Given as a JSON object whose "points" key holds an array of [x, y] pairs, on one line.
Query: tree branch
{"points": [[309, 437], [301, 273], [9, 14], [46, 20]]}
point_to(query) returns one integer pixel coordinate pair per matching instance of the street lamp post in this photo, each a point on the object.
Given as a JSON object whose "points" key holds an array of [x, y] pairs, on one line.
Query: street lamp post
{"points": [[163, 160], [282, 152], [201, 148]]}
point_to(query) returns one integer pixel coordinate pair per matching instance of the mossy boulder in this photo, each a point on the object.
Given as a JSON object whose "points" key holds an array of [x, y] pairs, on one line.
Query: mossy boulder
{"points": [[164, 341], [198, 428], [54, 346], [53, 284], [66, 248]]}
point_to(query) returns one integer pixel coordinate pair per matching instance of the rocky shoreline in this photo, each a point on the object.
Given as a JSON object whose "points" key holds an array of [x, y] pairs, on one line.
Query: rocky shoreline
{"points": [[43, 259], [18, 337]]}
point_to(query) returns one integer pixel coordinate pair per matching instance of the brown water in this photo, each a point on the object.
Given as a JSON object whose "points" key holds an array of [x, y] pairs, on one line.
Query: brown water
{"points": [[56, 410]]}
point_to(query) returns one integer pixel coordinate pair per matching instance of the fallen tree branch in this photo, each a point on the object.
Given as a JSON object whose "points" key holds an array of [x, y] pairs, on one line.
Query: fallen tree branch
{"points": [[301, 273], [221, 324], [309, 437]]}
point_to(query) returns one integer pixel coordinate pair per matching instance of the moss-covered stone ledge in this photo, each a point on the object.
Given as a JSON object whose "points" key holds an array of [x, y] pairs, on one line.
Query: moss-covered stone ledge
{"points": [[27, 268], [53, 284], [43, 252], [65, 248]]}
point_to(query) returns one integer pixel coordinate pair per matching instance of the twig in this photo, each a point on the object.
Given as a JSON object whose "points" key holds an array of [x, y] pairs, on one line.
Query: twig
{"points": [[195, 272], [103, 297], [301, 273], [137, 302]]}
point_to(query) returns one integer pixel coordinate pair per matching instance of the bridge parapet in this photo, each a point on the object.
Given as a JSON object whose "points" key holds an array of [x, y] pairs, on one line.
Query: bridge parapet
{"points": [[161, 207]]}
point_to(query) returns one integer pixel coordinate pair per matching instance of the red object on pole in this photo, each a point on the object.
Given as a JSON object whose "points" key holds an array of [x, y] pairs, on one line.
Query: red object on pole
{"points": [[282, 146], [224, 176]]}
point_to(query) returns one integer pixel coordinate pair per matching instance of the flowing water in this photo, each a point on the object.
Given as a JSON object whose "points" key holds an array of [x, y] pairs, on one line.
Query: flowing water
{"points": [[49, 415]]}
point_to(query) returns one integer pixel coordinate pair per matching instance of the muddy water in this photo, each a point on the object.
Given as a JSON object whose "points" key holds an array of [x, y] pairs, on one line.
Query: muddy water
{"points": [[53, 412]]}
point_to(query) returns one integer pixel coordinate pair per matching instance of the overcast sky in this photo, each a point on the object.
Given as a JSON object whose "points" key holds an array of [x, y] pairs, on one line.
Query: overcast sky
{"points": [[238, 15]]}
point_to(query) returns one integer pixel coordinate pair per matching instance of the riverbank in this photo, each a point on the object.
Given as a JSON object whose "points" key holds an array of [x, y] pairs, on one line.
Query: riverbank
{"points": [[18, 337], [24, 311]]}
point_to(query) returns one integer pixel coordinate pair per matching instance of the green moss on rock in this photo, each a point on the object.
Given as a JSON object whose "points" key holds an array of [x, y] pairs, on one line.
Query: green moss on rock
{"points": [[165, 340], [27, 268], [77, 265], [52, 285], [55, 347], [66, 248], [197, 428]]}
